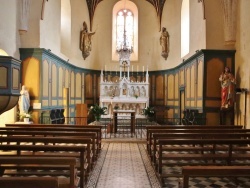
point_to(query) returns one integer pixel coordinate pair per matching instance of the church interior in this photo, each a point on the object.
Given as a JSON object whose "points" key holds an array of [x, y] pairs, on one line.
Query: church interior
{"points": [[149, 93]]}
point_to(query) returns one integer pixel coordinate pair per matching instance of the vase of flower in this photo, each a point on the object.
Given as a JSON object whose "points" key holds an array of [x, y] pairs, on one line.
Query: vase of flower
{"points": [[97, 117], [26, 119], [149, 112], [97, 111]]}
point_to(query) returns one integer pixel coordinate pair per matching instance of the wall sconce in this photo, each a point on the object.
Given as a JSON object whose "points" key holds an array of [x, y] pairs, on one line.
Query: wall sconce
{"points": [[9, 83], [243, 91]]}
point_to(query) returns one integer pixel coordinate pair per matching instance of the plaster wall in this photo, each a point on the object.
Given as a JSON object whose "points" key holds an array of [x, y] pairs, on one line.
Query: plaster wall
{"points": [[242, 61], [9, 36], [79, 14], [31, 39], [50, 27], [215, 25]]}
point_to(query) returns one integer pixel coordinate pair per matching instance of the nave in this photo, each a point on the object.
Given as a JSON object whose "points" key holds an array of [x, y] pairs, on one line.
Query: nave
{"points": [[125, 164]]}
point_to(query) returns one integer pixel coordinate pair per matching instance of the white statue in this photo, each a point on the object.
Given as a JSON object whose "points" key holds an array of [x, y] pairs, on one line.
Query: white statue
{"points": [[24, 100]]}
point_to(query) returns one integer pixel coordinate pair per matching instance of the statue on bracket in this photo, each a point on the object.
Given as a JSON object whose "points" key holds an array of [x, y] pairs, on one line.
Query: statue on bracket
{"points": [[164, 42], [227, 88], [85, 41]]}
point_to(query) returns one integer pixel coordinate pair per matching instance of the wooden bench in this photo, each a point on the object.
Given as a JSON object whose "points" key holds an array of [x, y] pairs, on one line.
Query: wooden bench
{"points": [[24, 163], [79, 151], [225, 157], [172, 131], [193, 127], [201, 135], [45, 133], [60, 127], [29, 182], [225, 171]]}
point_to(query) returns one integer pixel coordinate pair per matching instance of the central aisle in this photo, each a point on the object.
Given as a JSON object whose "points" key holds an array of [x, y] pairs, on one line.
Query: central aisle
{"points": [[123, 168]]}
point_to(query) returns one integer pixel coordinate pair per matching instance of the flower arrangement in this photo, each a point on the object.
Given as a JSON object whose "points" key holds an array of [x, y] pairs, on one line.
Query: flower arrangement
{"points": [[25, 115], [149, 111], [97, 111]]}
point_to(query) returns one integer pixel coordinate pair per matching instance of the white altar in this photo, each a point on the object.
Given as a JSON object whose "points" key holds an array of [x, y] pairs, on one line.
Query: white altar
{"points": [[124, 95]]}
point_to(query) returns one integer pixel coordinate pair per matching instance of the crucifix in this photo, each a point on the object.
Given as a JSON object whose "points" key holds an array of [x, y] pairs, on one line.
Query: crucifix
{"points": [[124, 63]]}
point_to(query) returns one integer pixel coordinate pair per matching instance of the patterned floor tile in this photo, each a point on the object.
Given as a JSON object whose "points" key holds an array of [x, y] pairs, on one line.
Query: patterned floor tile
{"points": [[123, 163]]}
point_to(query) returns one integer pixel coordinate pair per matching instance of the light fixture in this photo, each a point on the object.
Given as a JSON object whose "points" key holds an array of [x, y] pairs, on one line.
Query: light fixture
{"points": [[124, 47]]}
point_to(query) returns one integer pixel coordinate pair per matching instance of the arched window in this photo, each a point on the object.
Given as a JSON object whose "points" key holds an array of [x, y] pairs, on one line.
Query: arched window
{"points": [[125, 28], [125, 23], [185, 27]]}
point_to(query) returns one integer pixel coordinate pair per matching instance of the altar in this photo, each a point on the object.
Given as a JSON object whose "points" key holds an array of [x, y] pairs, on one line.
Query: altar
{"points": [[124, 94]]}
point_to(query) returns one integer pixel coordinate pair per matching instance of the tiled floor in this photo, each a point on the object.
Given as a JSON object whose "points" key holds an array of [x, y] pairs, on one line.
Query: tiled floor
{"points": [[123, 167], [125, 164]]}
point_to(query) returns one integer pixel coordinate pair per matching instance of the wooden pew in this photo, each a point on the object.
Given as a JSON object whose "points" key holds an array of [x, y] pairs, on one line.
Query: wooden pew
{"points": [[201, 135], [68, 163], [154, 131], [83, 151], [60, 127], [45, 133], [193, 127], [214, 171], [227, 157], [29, 182]]}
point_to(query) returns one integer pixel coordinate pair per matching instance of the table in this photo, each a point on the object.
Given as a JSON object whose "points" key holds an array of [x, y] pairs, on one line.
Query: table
{"points": [[132, 116]]}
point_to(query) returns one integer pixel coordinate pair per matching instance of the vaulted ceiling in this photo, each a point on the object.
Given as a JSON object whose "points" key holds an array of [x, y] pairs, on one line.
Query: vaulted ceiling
{"points": [[158, 5]]}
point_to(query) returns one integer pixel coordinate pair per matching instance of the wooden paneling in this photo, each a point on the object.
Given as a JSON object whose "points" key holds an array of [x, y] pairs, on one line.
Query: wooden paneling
{"points": [[78, 85], [170, 86], [200, 79], [4, 79], [81, 114], [215, 67], [182, 77], [60, 82], [192, 82], [72, 85], [45, 78], [159, 87], [66, 79], [88, 86], [176, 86], [15, 80], [54, 80], [212, 118]]}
